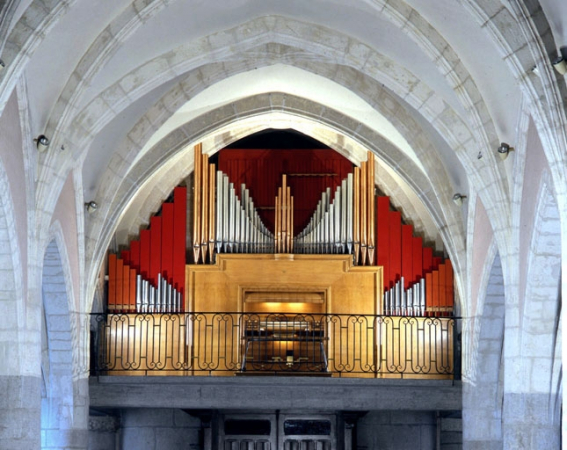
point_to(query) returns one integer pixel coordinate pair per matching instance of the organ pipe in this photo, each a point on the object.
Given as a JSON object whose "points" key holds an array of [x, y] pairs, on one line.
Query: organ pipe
{"points": [[197, 203], [356, 214], [399, 301], [370, 208], [238, 225], [212, 216], [204, 207], [363, 213]]}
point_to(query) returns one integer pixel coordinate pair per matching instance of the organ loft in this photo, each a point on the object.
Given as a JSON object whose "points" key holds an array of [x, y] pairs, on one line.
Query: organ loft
{"points": [[271, 262]]}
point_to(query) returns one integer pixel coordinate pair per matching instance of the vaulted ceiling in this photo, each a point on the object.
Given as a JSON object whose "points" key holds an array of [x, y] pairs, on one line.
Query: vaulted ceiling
{"points": [[431, 87]]}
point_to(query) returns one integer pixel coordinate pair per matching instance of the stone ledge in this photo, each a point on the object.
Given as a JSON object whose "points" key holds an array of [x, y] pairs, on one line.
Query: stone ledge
{"points": [[274, 393]]}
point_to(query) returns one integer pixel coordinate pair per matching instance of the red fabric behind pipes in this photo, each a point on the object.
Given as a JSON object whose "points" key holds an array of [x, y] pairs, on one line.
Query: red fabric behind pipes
{"points": [[262, 170]]}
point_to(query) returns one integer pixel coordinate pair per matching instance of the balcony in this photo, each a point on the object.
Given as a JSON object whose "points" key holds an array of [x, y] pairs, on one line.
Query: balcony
{"points": [[275, 344]]}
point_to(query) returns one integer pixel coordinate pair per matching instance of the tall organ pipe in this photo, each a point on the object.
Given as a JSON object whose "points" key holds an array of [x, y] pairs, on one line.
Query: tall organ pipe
{"points": [[356, 203], [204, 229], [371, 209], [212, 215], [363, 215], [197, 202]]}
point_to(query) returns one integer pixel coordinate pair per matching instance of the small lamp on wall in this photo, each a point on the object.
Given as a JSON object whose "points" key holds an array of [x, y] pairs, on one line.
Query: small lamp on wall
{"points": [[91, 206], [503, 150], [2, 65], [41, 142], [458, 199], [560, 65]]}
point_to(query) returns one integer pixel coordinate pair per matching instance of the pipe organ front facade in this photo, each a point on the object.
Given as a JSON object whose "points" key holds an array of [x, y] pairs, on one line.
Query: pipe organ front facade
{"points": [[268, 269]]}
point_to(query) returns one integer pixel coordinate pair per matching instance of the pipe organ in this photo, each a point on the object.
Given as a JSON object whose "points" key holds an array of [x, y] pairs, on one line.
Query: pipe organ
{"points": [[348, 219], [150, 275]]}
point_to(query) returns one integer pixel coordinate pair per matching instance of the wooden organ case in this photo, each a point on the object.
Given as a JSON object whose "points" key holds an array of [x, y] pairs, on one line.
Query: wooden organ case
{"points": [[334, 299]]}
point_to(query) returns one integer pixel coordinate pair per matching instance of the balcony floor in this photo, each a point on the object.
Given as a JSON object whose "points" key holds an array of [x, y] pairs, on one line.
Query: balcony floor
{"points": [[281, 393]]}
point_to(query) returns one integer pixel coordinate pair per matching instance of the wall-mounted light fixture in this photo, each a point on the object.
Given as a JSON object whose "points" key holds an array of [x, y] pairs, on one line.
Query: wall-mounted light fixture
{"points": [[2, 65], [458, 199], [41, 143], [91, 206], [560, 65], [503, 150]]}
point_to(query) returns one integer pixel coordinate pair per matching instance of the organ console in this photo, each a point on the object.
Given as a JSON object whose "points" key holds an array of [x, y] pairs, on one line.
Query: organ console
{"points": [[349, 220]]}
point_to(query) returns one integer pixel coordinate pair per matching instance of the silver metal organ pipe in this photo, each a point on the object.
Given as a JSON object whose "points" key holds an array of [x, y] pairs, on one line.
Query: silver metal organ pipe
{"points": [[138, 293], [237, 210], [158, 294], [350, 217], [144, 296], [226, 211], [219, 211], [398, 299], [232, 216], [151, 298], [334, 225], [422, 299], [416, 299], [343, 200], [404, 309], [163, 292]]}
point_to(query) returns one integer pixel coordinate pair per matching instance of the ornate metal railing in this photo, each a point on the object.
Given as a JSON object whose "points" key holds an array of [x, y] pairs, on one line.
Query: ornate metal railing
{"points": [[249, 343]]}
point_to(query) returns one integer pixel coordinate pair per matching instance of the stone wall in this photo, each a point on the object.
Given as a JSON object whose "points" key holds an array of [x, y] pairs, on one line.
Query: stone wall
{"points": [[397, 430], [145, 429]]}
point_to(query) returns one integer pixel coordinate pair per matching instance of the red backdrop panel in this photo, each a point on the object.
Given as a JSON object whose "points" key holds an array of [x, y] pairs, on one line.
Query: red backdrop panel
{"points": [[125, 255], [179, 240], [112, 281], [383, 238], [395, 246], [155, 249], [135, 255], [417, 259], [145, 254], [407, 254], [442, 285], [427, 259], [125, 288], [167, 241], [119, 284], [309, 172]]}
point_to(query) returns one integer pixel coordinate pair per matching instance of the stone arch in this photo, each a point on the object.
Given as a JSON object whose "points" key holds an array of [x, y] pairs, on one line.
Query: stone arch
{"points": [[541, 316], [120, 195], [482, 390], [95, 115], [532, 386], [17, 371], [63, 421]]}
